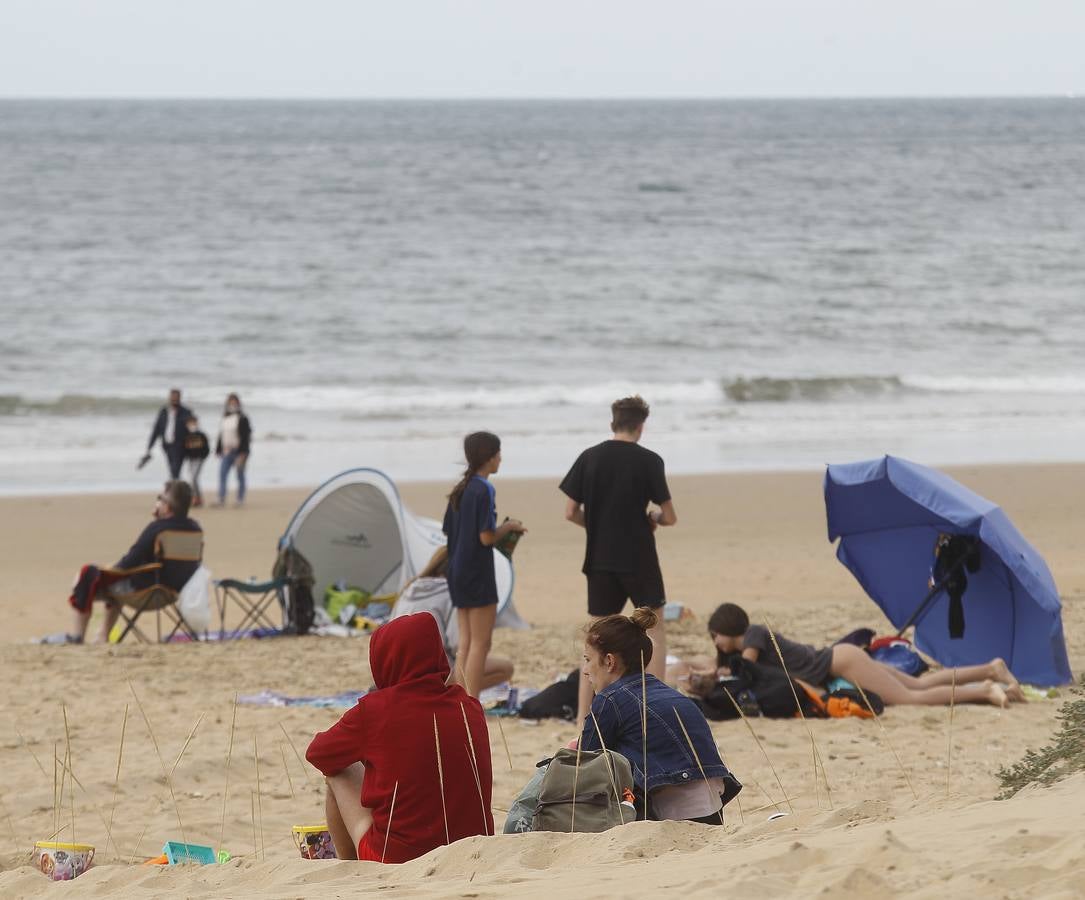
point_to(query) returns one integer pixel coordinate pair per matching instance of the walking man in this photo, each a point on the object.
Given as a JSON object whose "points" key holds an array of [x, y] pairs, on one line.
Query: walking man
{"points": [[171, 427], [611, 490]]}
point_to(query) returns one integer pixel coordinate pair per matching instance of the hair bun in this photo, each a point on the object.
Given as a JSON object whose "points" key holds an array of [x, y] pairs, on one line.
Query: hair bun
{"points": [[644, 618]]}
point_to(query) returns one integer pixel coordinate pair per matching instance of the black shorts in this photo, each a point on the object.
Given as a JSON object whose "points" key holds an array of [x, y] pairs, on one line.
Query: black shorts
{"points": [[608, 591]]}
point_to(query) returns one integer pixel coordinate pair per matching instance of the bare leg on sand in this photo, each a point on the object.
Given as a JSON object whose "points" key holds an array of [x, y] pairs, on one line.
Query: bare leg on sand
{"points": [[852, 663], [348, 820], [996, 670]]}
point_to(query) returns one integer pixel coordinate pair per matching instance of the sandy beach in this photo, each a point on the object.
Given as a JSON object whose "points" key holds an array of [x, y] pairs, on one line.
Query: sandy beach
{"points": [[916, 827]]}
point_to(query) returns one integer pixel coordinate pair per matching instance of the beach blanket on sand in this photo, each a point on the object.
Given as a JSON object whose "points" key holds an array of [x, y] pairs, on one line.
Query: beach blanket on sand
{"points": [[342, 700], [497, 698]]}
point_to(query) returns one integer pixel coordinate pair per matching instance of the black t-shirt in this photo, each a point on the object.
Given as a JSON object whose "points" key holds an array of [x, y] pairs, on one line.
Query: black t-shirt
{"points": [[803, 662], [616, 480]]}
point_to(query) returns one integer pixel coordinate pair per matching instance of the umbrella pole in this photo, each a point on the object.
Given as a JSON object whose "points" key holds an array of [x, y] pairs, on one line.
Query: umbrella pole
{"points": [[931, 594]]}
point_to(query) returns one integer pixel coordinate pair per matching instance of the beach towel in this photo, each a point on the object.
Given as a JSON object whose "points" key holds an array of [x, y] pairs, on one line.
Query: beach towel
{"points": [[342, 700], [88, 583]]}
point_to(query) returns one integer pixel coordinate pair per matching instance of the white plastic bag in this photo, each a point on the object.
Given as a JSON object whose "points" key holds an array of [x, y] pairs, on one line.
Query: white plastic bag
{"points": [[194, 601]]}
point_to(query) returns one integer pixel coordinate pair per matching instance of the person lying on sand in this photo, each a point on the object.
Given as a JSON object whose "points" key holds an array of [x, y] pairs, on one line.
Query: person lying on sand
{"points": [[731, 632], [390, 797], [686, 778]]}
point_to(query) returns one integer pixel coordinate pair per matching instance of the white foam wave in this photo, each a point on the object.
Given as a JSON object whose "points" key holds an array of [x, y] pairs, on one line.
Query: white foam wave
{"points": [[384, 400], [982, 384]]}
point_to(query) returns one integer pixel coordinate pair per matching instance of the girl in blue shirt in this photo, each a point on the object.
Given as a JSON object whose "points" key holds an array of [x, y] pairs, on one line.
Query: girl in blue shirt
{"points": [[472, 530]]}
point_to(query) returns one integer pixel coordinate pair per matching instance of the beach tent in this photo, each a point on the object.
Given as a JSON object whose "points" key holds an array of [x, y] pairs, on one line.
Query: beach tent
{"points": [[355, 531]]}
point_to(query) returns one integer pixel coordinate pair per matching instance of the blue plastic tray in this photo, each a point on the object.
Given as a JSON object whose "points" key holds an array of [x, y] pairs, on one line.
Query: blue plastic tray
{"points": [[177, 852]]}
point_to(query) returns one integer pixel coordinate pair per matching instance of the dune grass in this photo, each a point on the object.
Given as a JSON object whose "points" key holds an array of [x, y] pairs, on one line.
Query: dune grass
{"points": [[1064, 756]]}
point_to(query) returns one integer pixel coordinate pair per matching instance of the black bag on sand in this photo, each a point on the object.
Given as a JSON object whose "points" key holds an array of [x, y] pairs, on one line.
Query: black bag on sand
{"points": [[759, 690], [558, 701], [297, 596], [584, 798]]}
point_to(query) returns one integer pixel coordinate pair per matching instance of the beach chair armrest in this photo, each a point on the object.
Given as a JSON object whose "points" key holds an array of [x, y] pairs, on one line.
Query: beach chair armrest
{"points": [[136, 570]]}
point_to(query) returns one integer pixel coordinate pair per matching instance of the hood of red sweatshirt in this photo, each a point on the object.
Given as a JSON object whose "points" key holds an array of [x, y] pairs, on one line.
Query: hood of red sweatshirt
{"points": [[407, 649]]}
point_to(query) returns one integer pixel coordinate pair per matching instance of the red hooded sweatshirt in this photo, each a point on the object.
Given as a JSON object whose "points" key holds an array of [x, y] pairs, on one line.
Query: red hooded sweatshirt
{"points": [[390, 731]]}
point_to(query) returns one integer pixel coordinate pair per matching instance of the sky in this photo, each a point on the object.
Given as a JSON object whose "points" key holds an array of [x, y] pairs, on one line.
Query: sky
{"points": [[544, 48]]}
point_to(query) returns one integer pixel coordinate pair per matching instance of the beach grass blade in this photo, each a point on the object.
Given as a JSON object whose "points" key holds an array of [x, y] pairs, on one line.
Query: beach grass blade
{"points": [[889, 743], [810, 731], [391, 813], [610, 768], [441, 777]]}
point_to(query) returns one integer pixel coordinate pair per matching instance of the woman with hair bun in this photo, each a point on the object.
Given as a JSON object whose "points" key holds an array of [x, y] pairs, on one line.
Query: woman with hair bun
{"points": [[472, 530], [674, 758]]}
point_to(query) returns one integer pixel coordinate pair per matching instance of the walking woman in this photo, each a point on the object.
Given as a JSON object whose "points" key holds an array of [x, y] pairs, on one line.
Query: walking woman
{"points": [[232, 447], [472, 530]]}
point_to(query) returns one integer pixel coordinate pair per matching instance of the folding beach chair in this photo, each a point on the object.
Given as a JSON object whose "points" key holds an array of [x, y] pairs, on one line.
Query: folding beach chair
{"points": [[170, 546], [255, 599]]}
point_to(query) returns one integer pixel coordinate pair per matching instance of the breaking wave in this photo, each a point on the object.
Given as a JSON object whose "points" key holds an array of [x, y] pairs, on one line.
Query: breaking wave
{"points": [[811, 390]]}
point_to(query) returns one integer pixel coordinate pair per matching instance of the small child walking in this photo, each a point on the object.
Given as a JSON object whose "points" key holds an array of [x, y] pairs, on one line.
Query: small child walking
{"points": [[197, 449], [471, 527]]}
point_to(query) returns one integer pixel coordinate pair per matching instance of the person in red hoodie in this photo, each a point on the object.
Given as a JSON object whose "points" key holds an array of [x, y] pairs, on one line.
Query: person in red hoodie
{"points": [[387, 745]]}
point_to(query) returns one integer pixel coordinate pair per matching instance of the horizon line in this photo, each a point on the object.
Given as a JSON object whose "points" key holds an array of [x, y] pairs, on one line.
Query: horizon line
{"points": [[534, 98]]}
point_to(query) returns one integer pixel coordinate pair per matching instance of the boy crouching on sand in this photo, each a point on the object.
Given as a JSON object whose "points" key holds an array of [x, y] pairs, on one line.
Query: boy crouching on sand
{"points": [[385, 749]]}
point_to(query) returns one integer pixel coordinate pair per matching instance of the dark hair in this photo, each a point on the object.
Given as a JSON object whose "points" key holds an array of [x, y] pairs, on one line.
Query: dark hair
{"points": [[179, 495], [226, 405], [479, 447], [628, 413], [729, 619], [625, 636], [437, 567]]}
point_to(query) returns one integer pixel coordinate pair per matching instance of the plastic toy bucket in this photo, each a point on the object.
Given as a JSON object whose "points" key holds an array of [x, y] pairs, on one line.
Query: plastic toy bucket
{"points": [[313, 841], [63, 862]]}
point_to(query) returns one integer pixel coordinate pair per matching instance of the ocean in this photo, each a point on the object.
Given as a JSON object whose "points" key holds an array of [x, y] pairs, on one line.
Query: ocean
{"points": [[788, 283]]}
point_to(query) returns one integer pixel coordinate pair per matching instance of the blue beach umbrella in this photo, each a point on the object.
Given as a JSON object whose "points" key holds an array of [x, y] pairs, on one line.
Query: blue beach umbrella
{"points": [[889, 513]]}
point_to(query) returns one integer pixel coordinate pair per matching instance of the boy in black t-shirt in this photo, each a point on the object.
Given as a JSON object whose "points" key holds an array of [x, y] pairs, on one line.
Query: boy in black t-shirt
{"points": [[609, 489]]}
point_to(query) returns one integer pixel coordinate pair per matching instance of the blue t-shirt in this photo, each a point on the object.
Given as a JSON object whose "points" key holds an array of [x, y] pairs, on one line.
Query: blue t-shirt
{"points": [[471, 578]]}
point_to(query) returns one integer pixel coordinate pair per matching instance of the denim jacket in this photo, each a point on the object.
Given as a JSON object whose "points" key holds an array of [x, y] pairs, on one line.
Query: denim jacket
{"points": [[617, 708]]}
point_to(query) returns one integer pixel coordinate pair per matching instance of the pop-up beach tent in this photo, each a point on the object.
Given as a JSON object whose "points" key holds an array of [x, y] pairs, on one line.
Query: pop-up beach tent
{"points": [[355, 530]]}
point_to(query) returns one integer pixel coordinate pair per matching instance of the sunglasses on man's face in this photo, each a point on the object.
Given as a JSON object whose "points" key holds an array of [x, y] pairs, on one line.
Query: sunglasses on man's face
{"points": [[161, 498]]}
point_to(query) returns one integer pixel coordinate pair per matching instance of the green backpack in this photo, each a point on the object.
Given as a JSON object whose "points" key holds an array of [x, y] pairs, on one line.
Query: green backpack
{"points": [[602, 784]]}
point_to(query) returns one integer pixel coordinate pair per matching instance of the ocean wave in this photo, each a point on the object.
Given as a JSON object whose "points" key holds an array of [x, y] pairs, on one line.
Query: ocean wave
{"points": [[817, 389], [392, 402], [996, 384], [660, 187], [77, 405]]}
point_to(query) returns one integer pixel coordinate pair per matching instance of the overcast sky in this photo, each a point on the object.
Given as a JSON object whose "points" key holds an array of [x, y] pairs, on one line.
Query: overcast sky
{"points": [[543, 48]]}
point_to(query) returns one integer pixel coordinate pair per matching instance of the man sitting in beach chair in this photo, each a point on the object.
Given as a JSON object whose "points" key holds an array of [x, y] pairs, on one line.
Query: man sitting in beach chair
{"points": [[138, 569]]}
